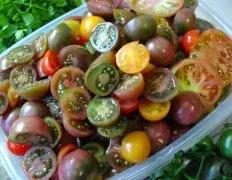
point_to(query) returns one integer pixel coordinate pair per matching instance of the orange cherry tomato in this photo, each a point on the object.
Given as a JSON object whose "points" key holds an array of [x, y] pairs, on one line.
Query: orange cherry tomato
{"points": [[4, 86], [88, 24], [74, 26], [190, 39], [17, 149], [50, 63], [65, 150], [136, 147], [13, 97], [153, 111], [132, 58]]}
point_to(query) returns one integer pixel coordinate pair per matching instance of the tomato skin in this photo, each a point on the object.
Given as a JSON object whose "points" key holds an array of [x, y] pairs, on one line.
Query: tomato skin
{"points": [[88, 24], [189, 40], [17, 149], [136, 147], [65, 150], [128, 106], [50, 63], [225, 144]]}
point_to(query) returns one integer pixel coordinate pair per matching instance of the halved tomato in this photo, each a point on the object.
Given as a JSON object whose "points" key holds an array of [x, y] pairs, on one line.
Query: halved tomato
{"points": [[66, 150], [132, 58], [128, 106], [65, 78], [17, 149], [130, 86], [215, 47], [159, 8], [200, 77]]}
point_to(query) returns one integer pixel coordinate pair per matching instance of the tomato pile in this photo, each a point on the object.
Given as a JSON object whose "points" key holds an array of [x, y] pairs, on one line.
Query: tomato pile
{"points": [[102, 92]]}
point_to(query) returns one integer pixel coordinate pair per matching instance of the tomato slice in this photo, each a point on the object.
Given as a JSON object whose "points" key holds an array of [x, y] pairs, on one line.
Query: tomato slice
{"points": [[66, 78], [130, 86], [153, 111], [132, 58], [50, 63], [159, 8], [200, 77], [17, 149], [40, 45], [215, 47], [74, 102]]}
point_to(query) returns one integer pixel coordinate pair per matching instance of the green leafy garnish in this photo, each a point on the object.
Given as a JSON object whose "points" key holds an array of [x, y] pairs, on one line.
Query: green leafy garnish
{"points": [[19, 18]]}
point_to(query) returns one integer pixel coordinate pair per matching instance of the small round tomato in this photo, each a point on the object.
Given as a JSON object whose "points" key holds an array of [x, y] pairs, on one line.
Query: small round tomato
{"points": [[4, 86], [88, 24], [225, 144], [74, 25], [13, 96], [130, 86], [128, 106], [136, 147], [50, 63], [190, 39], [4, 103], [65, 150], [17, 149], [153, 111], [132, 58]]}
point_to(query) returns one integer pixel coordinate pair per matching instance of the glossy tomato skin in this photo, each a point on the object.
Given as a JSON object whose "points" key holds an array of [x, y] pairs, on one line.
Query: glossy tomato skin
{"points": [[66, 150], [102, 8], [225, 144], [8, 119], [17, 149], [187, 108], [50, 63], [190, 39], [177, 131], [79, 165], [136, 147], [161, 50], [128, 106], [159, 134], [33, 108], [184, 21]]}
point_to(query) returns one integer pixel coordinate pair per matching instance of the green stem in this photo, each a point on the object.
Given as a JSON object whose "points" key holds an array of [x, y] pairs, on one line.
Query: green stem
{"points": [[30, 5]]}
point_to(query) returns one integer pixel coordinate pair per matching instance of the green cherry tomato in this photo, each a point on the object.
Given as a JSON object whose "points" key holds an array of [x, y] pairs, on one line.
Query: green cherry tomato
{"points": [[103, 111], [225, 144], [20, 55], [40, 45], [113, 130], [101, 79], [104, 37]]}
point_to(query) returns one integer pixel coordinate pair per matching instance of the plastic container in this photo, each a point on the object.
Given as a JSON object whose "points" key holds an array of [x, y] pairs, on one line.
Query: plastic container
{"points": [[214, 120]]}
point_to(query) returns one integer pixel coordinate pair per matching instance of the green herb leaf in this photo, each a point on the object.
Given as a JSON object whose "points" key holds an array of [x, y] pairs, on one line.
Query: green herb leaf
{"points": [[27, 18], [8, 31]]}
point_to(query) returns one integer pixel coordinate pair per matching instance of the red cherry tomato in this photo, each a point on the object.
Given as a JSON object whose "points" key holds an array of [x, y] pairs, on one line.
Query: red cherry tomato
{"points": [[128, 106], [190, 39], [17, 149], [50, 63]]}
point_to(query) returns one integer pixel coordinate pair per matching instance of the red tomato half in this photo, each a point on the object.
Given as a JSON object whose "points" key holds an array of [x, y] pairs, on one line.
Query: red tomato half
{"points": [[17, 149], [128, 106], [50, 63], [189, 40]]}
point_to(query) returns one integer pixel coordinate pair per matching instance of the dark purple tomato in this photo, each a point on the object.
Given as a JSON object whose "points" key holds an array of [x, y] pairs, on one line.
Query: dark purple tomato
{"points": [[187, 108], [32, 108], [184, 21], [159, 134], [178, 131], [30, 130], [79, 165], [40, 163], [103, 8], [77, 56], [65, 140], [8, 119], [121, 4], [161, 50]]}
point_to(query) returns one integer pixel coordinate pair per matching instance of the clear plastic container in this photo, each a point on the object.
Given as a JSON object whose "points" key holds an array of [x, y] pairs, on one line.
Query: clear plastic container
{"points": [[214, 120]]}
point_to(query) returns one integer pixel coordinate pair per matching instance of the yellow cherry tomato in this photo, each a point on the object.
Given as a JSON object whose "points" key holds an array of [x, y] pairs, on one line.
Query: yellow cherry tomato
{"points": [[74, 26], [4, 86], [153, 111], [136, 147], [132, 58], [88, 24], [13, 96]]}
